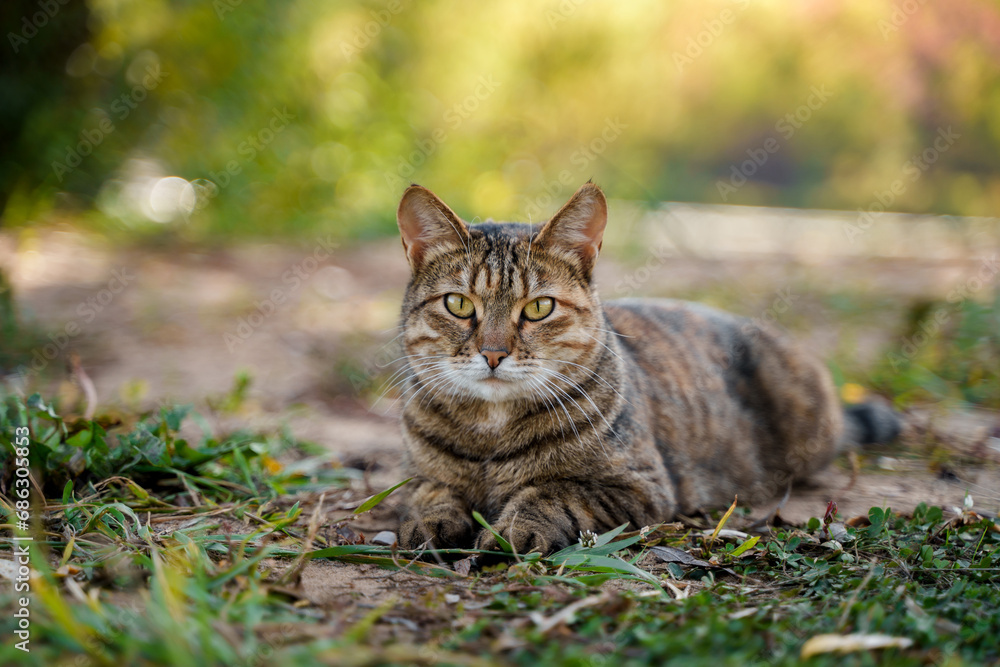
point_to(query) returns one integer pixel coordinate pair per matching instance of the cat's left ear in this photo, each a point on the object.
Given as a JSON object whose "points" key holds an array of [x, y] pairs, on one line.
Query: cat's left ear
{"points": [[577, 230], [427, 224]]}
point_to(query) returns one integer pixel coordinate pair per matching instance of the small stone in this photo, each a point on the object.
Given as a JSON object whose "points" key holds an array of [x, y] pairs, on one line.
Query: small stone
{"points": [[887, 463], [385, 538], [838, 533]]}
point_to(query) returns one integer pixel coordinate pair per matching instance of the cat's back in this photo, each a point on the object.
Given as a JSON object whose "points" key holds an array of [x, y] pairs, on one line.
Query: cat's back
{"points": [[687, 352], [704, 347], [647, 325], [729, 397]]}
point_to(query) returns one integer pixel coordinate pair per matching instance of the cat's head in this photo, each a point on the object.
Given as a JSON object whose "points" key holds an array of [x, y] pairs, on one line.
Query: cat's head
{"points": [[501, 311]]}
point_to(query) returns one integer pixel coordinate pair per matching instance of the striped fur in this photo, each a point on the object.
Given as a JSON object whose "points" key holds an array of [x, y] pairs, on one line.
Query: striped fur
{"points": [[631, 411]]}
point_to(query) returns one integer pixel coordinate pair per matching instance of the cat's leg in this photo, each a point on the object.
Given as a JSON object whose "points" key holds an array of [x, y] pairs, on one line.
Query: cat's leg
{"points": [[435, 512], [551, 517]]}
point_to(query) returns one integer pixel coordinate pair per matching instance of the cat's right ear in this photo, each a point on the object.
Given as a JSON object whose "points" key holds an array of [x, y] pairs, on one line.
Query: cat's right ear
{"points": [[427, 224], [576, 231]]}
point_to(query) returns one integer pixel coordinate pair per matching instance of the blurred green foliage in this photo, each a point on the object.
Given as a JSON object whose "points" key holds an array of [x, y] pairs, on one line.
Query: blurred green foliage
{"points": [[304, 116], [947, 355]]}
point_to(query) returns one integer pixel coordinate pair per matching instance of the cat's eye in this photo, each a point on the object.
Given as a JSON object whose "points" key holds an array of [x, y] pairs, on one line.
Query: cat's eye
{"points": [[459, 306], [539, 309]]}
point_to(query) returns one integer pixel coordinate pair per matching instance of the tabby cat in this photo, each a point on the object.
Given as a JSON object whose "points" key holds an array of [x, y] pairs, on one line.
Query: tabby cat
{"points": [[550, 413]]}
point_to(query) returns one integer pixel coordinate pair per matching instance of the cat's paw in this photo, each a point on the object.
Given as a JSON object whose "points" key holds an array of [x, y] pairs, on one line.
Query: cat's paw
{"points": [[524, 537], [443, 528]]}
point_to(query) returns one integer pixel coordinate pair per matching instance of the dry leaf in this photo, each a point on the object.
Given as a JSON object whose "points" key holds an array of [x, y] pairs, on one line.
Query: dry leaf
{"points": [[842, 644], [727, 532], [568, 614], [673, 555], [463, 567]]}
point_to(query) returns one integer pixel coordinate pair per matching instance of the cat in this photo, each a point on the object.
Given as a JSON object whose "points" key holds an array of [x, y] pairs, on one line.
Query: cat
{"points": [[550, 413]]}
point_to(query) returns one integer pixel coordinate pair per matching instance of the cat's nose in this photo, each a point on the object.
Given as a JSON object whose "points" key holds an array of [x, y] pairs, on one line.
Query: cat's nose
{"points": [[494, 357]]}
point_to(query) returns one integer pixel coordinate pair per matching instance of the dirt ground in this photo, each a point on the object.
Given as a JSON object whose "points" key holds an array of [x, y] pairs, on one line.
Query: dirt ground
{"points": [[313, 325]]}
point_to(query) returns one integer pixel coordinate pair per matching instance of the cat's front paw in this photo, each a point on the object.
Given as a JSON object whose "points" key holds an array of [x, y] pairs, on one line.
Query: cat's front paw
{"points": [[524, 536], [442, 528]]}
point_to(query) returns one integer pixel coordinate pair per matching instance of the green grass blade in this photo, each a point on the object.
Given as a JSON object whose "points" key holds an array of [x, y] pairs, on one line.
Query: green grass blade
{"points": [[743, 548], [373, 502], [504, 544]]}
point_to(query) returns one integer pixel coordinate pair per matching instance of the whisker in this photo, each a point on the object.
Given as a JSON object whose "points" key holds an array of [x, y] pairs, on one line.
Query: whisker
{"points": [[583, 392], [410, 356], [401, 371], [441, 379], [549, 407], [572, 424], [413, 376], [531, 237], [602, 343], [407, 372], [397, 337], [412, 366], [594, 373], [431, 383], [610, 331], [580, 408], [465, 243], [391, 329], [416, 389]]}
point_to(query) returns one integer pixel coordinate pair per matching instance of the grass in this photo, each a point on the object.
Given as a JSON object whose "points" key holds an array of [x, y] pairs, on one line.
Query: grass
{"points": [[159, 542], [947, 352]]}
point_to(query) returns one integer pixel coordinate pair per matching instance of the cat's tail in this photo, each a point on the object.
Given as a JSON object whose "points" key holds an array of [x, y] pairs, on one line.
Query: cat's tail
{"points": [[871, 423]]}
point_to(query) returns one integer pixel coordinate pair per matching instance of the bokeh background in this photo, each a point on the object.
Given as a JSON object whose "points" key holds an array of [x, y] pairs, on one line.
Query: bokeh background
{"points": [[487, 103], [831, 165]]}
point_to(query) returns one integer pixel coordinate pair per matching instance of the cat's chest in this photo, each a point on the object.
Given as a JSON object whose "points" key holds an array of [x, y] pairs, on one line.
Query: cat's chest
{"points": [[493, 419]]}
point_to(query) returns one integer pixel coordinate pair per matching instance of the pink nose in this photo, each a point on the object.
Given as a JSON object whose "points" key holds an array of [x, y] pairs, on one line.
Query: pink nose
{"points": [[494, 357]]}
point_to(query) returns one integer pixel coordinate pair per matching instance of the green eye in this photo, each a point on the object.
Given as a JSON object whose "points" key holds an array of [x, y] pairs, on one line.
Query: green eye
{"points": [[459, 306], [539, 309]]}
